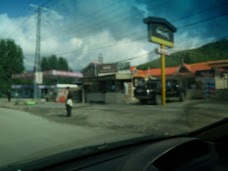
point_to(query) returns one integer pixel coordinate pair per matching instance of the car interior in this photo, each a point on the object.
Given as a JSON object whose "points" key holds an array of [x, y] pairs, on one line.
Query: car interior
{"points": [[204, 149]]}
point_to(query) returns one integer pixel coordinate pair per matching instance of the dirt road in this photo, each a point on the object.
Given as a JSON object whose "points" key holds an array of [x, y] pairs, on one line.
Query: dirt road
{"points": [[172, 119]]}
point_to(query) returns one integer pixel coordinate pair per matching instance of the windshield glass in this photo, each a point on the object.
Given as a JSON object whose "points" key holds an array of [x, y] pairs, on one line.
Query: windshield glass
{"points": [[76, 73]]}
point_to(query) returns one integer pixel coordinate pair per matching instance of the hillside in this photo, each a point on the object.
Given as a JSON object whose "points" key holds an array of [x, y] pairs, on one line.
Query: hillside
{"points": [[213, 51]]}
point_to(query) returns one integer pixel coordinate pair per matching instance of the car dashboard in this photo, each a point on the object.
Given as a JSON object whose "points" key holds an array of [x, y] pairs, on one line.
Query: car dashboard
{"points": [[205, 150]]}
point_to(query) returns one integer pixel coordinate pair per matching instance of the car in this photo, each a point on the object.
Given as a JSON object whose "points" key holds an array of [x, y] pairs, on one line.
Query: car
{"points": [[150, 91]]}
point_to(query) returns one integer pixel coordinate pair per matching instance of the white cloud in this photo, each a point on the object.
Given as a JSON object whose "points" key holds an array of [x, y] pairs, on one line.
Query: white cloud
{"points": [[81, 50], [22, 31], [185, 41], [78, 51], [111, 49], [75, 42]]}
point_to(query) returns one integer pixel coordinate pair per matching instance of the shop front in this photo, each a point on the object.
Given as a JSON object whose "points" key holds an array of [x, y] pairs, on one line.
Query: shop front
{"points": [[106, 83]]}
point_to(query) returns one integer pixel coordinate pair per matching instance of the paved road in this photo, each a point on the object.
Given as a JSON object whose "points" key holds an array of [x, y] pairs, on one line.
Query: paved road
{"points": [[25, 136]]}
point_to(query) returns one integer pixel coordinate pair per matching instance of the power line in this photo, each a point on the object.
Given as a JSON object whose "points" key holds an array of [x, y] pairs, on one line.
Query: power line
{"points": [[111, 45], [200, 12], [103, 47], [187, 25], [202, 21], [93, 15], [127, 35], [46, 3], [160, 5], [7, 35], [119, 16], [139, 56], [97, 26]]}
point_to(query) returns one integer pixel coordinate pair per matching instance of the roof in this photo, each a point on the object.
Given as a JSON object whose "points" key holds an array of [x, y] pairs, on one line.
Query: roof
{"points": [[150, 20], [220, 63], [197, 67], [91, 64], [157, 71], [49, 74], [191, 69]]}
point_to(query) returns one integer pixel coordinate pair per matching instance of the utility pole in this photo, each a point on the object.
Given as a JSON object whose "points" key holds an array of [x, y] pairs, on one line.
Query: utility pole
{"points": [[38, 76], [100, 58], [37, 68]]}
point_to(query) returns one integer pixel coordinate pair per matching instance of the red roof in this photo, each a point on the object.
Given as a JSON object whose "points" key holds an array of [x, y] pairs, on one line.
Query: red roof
{"points": [[197, 67], [157, 71], [191, 68]]}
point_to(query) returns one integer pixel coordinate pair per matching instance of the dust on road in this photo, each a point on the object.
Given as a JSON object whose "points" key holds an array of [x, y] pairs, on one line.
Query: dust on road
{"points": [[174, 118]]}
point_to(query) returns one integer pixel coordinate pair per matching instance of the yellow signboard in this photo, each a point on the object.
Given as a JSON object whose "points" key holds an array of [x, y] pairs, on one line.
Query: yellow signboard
{"points": [[160, 31], [161, 41]]}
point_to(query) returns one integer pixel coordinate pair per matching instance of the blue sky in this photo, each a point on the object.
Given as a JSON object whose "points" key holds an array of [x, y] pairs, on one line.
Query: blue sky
{"points": [[80, 30]]}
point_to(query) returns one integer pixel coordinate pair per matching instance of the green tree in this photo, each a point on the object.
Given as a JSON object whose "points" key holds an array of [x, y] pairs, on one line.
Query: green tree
{"points": [[54, 62], [11, 62], [62, 64]]}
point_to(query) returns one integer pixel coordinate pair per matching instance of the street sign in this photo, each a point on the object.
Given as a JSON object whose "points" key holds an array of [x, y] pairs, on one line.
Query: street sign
{"points": [[162, 51], [39, 77], [160, 31], [106, 68]]}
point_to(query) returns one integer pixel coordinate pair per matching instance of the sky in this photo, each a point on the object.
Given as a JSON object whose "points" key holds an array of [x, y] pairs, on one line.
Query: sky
{"points": [[83, 30]]}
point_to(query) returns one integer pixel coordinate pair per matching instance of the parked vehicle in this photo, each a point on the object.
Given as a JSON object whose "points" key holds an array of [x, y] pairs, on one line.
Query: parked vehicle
{"points": [[150, 91]]}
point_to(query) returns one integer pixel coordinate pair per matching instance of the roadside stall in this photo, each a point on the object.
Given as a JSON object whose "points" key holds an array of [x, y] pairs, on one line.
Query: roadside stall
{"points": [[61, 92]]}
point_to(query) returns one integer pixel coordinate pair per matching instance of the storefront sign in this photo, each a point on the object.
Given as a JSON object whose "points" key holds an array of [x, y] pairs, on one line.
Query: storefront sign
{"points": [[160, 31], [39, 77], [106, 68], [123, 65]]}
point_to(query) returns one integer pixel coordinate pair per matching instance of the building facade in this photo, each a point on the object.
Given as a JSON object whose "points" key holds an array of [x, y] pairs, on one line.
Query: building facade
{"points": [[107, 83]]}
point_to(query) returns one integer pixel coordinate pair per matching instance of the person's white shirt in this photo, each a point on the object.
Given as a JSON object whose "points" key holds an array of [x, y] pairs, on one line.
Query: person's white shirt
{"points": [[70, 102]]}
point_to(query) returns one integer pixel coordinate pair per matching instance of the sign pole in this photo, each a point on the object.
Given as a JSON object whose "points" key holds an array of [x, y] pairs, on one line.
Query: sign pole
{"points": [[163, 77], [160, 31]]}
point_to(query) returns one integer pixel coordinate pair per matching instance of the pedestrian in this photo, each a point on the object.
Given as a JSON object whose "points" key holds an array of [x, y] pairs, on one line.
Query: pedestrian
{"points": [[9, 95], [69, 102]]}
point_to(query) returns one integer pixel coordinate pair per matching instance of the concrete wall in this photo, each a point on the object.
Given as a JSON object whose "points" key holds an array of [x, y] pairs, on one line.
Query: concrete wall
{"points": [[114, 98], [194, 94], [222, 94], [221, 83], [95, 98]]}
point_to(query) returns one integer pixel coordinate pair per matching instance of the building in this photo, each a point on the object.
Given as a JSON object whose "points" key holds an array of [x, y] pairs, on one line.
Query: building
{"points": [[107, 83], [221, 77], [53, 81], [202, 80]]}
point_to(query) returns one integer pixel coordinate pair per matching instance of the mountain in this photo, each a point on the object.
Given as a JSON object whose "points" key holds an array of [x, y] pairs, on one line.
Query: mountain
{"points": [[213, 51]]}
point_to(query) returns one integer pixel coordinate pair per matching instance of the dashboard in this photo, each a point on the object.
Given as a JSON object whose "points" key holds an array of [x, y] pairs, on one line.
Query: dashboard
{"points": [[203, 150], [177, 154]]}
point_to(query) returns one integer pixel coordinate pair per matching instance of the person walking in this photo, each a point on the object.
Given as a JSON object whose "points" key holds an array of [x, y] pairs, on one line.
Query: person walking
{"points": [[69, 103], [9, 95]]}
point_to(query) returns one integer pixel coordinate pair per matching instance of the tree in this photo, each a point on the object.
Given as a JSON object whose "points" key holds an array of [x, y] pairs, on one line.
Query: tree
{"points": [[54, 62], [62, 64], [11, 62]]}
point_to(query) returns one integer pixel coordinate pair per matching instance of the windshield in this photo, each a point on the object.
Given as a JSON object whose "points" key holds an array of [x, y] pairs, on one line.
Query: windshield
{"points": [[77, 73]]}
